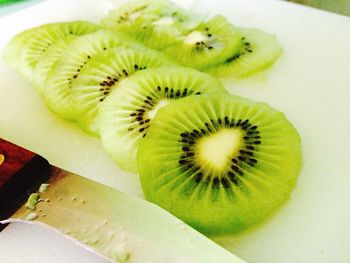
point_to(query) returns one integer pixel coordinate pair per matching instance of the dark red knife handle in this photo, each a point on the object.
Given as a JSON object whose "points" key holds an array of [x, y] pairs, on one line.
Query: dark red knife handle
{"points": [[21, 171]]}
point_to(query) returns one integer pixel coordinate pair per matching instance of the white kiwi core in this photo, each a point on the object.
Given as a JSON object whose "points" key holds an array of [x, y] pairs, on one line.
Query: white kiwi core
{"points": [[135, 15], [165, 21], [214, 152], [160, 104], [195, 37]]}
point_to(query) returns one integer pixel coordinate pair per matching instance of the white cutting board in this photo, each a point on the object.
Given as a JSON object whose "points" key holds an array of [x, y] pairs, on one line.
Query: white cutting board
{"points": [[310, 83]]}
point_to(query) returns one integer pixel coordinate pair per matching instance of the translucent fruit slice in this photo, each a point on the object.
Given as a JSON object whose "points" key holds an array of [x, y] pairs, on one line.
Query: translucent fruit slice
{"points": [[260, 51], [61, 78], [103, 74], [127, 113], [46, 62], [206, 45], [26, 49], [220, 163]]}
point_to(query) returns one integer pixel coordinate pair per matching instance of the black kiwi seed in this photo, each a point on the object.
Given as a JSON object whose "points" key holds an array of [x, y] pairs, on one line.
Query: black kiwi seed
{"points": [[224, 182], [232, 178], [198, 177], [216, 181], [182, 161]]}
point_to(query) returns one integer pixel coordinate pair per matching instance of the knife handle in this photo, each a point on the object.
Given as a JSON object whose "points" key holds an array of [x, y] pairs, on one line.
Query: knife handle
{"points": [[21, 172]]}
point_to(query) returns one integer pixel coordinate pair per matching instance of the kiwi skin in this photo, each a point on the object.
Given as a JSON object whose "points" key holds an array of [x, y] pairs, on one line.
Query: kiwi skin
{"points": [[253, 202]]}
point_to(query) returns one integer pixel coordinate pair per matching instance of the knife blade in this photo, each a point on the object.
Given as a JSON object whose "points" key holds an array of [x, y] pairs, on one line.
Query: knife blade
{"points": [[119, 227]]}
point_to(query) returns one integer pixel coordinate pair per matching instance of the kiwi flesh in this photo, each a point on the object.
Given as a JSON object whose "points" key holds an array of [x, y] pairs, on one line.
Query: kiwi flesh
{"points": [[63, 74], [127, 113], [221, 163], [28, 47], [46, 62], [207, 44], [103, 74], [135, 12], [259, 51]]}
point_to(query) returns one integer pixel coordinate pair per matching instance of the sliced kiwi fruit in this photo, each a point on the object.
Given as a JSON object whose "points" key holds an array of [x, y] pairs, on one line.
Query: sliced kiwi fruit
{"points": [[27, 48], [208, 44], [60, 79], [219, 162], [127, 113], [260, 51], [46, 62], [103, 74]]}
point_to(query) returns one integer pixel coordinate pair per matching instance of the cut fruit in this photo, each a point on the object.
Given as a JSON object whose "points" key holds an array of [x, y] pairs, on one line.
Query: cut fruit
{"points": [[127, 113], [206, 45], [260, 51], [103, 74], [27, 48], [221, 163], [60, 79], [46, 62]]}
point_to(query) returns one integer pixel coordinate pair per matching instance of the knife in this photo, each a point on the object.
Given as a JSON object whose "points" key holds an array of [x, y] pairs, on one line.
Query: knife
{"points": [[119, 227]]}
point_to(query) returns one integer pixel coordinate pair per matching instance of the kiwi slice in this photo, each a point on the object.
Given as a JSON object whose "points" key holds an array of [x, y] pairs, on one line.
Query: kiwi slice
{"points": [[260, 51], [219, 162], [127, 113], [208, 44], [44, 65], [60, 79], [103, 74], [27, 48]]}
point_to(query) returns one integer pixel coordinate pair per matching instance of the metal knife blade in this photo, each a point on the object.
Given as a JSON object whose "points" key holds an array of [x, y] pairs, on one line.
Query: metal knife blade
{"points": [[120, 227]]}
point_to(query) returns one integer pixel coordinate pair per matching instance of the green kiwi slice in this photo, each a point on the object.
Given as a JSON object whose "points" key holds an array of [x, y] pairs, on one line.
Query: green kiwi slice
{"points": [[103, 74], [127, 113], [60, 79], [260, 51], [219, 162], [208, 44], [27, 48], [44, 65]]}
